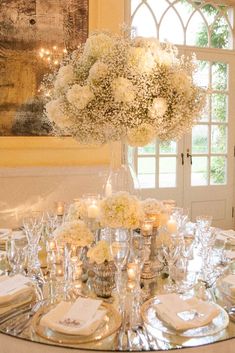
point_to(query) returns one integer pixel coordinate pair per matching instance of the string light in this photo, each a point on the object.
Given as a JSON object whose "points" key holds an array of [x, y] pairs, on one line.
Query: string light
{"points": [[52, 56]]}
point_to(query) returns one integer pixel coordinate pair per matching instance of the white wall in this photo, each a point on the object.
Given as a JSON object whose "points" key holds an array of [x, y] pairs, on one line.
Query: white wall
{"points": [[38, 188]]}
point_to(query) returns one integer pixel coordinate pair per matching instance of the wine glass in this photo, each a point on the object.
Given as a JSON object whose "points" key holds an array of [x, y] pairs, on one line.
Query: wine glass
{"points": [[119, 247], [33, 225]]}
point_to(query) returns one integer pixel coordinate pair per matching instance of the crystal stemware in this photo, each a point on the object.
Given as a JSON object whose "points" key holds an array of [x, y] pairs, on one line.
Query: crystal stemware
{"points": [[33, 226], [119, 247]]}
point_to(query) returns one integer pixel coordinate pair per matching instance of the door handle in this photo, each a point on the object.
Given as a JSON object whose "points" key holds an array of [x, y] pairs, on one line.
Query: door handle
{"points": [[190, 157], [182, 158]]}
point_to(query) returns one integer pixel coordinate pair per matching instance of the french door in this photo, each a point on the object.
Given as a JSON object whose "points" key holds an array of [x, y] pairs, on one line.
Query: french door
{"points": [[198, 171]]}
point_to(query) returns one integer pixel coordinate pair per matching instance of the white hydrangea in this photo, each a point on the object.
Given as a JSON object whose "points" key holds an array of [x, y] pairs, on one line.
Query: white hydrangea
{"points": [[152, 206], [142, 135], [77, 210], [75, 233], [56, 115], [123, 90], [182, 82], [79, 96], [64, 77], [121, 210], [158, 107], [98, 71], [141, 59], [98, 45], [100, 253]]}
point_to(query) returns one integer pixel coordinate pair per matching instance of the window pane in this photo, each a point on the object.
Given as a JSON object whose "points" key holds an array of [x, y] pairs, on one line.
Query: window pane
{"points": [[205, 114], [146, 181], [219, 76], [200, 139], [197, 31], [221, 36], [199, 174], [218, 170], [158, 7], [167, 172], [201, 77], [218, 139], [219, 104], [174, 33], [149, 149], [169, 147], [146, 165], [146, 171], [210, 13], [143, 16]]}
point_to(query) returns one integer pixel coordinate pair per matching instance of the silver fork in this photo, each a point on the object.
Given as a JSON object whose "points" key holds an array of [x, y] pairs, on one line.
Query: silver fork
{"points": [[17, 327]]}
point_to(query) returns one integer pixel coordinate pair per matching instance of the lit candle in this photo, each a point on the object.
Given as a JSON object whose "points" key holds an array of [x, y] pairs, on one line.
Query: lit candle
{"points": [[131, 285], [171, 226], [147, 228], [92, 211], [59, 271], [60, 208], [52, 245], [155, 218], [132, 271], [108, 189]]}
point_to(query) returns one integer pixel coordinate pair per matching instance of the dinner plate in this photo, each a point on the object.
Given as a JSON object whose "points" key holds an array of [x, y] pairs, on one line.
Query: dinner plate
{"points": [[150, 318], [110, 324]]}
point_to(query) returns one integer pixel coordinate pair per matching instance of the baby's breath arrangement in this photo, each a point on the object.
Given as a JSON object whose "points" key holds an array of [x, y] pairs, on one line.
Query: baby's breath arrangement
{"points": [[117, 88]]}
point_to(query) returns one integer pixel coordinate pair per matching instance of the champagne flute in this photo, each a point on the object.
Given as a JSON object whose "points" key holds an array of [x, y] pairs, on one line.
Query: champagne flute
{"points": [[119, 247]]}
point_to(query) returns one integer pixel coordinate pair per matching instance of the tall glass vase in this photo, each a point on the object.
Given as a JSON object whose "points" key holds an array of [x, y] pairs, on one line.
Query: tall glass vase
{"points": [[122, 176]]}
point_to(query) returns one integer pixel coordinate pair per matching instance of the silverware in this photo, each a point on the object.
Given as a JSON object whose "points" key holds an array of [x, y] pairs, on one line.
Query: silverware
{"points": [[21, 309], [18, 326]]}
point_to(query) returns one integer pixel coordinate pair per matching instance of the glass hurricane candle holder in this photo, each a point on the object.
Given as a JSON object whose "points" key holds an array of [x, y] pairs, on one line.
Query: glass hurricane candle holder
{"points": [[147, 232]]}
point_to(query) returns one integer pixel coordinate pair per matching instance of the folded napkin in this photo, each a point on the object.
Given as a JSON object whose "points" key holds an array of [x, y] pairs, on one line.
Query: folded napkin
{"points": [[14, 288], [80, 318], [185, 314], [228, 285]]}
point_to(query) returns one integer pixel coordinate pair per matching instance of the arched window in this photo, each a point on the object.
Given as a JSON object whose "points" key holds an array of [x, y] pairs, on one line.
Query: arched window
{"points": [[198, 170]]}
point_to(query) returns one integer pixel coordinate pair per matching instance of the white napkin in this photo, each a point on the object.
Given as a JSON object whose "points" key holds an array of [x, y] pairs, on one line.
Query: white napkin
{"points": [[80, 318], [185, 314], [12, 288], [228, 285]]}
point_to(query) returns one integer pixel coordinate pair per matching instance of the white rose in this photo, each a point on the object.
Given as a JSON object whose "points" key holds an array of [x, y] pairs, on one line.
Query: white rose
{"points": [[158, 107], [123, 90], [98, 45], [98, 71], [79, 96], [55, 114], [64, 77]]}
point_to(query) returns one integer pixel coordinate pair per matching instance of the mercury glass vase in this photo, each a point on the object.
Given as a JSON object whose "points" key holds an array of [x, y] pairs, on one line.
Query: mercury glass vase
{"points": [[104, 279]]}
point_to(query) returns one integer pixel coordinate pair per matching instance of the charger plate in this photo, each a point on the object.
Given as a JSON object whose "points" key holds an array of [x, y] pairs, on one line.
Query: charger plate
{"points": [[150, 318], [110, 324]]}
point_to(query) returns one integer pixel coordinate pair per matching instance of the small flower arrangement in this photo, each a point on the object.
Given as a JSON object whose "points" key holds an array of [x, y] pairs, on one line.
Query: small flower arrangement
{"points": [[99, 253], [77, 210], [120, 88], [74, 233], [152, 206], [121, 210]]}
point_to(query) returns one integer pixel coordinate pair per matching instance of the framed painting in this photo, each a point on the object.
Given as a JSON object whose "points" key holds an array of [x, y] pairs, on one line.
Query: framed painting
{"points": [[34, 37]]}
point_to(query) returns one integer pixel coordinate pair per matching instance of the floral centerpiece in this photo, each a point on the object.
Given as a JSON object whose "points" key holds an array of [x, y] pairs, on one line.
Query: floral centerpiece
{"points": [[121, 210], [75, 233], [100, 253], [120, 88], [77, 210], [151, 206]]}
